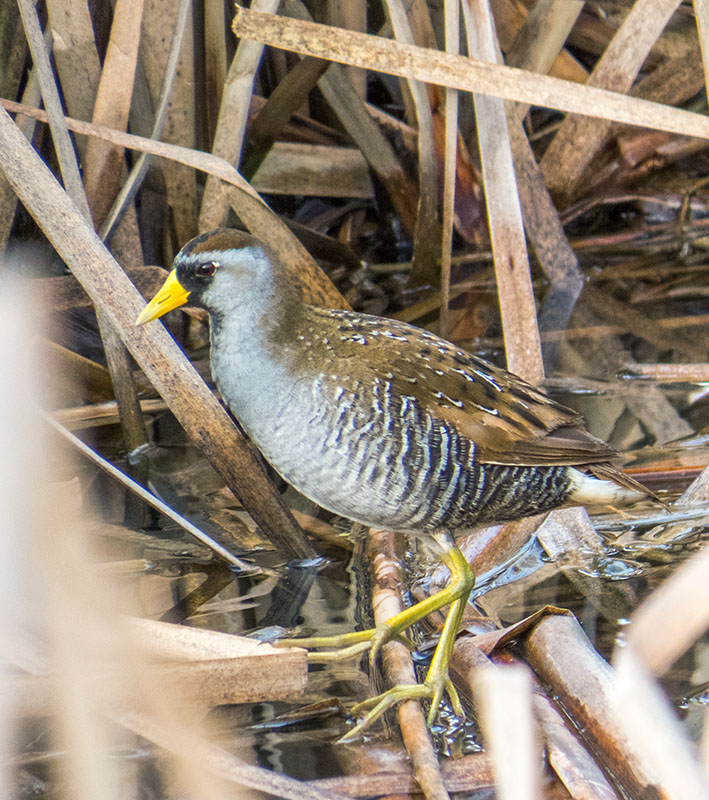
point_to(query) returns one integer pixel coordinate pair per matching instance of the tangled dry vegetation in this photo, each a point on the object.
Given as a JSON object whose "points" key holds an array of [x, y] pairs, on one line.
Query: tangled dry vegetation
{"points": [[526, 178]]}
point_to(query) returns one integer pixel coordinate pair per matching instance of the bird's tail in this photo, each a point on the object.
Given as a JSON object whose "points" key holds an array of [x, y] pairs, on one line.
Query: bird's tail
{"points": [[606, 485]]}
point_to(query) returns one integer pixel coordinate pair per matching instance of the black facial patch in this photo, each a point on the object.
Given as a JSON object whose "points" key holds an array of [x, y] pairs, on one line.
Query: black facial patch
{"points": [[195, 273]]}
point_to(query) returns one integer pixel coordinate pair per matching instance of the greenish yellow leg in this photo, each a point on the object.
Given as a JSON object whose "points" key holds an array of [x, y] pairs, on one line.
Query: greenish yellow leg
{"points": [[356, 642], [375, 638], [437, 677], [437, 680], [347, 645]]}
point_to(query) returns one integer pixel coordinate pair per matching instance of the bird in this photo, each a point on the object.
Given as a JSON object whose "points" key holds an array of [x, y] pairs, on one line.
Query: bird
{"points": [[386, 424]]}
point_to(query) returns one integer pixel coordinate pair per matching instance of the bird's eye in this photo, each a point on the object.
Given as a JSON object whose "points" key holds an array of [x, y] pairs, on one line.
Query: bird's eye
{"points": [[207, 270]]}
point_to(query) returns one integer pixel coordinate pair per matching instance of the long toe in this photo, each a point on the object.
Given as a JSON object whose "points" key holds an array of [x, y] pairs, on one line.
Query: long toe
{"points": [[438, 687], [382, 703], [431, 689], [348, 645]]}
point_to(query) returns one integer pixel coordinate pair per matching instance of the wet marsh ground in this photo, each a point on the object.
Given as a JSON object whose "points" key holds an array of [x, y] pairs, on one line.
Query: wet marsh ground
{"points": [[389, 195]]}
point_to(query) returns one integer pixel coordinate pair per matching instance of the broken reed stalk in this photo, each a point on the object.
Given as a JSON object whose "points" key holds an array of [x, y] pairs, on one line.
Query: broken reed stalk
{"points": [[471, 773], [132, 425], [504, 701], [151, 500], [678, 608], [450, 158], [8, 199], [160, 21], [197, 682], [133, 182], [575, 767], [349, 107], [536, 48], [220, 762], [509, 246], [579, 139], [398, 665], [284, 101], [210, 668], [645, 715], [232, 121], [701, 12], [672, 373], [50, 96], [425, 261], [104, 164], [434, 66], [161, 359], [135, 434], [255, 214], [559, 652]]}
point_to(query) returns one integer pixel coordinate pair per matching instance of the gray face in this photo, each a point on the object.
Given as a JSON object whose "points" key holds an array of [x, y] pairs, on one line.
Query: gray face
{"points": [[218, 279]]}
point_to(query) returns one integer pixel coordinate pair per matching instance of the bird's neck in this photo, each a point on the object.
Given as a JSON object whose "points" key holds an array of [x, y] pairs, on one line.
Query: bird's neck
{"points": [[258, 311], [253, 343]]}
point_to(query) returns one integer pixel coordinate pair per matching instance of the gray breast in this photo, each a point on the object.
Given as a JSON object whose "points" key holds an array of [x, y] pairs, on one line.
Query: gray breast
{"points": [[378, 458]]}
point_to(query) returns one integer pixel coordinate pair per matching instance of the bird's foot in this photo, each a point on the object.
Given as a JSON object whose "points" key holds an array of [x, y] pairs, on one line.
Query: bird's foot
{"points": [[431, 689], [347, 645], [437, 681]]}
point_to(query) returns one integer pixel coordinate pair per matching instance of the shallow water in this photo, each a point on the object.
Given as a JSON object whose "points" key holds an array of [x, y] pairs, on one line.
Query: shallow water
{"points": [[332, 596]]}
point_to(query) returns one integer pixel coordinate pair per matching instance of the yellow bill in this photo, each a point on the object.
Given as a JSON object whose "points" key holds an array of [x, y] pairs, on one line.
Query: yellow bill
{"points": [[170, 295]]}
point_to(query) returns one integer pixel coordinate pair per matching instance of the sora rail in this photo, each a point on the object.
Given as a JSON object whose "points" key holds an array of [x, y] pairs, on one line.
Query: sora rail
{"points": [[383, 423]]}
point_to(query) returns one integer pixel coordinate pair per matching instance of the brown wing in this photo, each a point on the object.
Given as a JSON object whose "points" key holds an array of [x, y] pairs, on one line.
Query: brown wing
{"points": [[510, 421]]}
